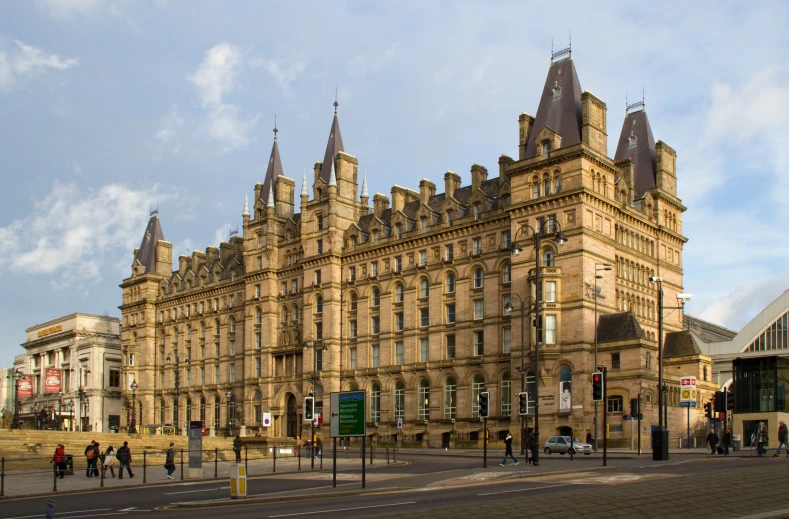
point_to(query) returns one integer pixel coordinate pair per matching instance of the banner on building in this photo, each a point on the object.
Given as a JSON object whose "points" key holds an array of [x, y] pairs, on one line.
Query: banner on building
{"points": [[25, 387], [565, 396], [52, 383]]}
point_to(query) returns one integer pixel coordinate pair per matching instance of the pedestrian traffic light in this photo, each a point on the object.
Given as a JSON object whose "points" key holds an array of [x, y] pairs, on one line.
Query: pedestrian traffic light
{"points": [[309, 408], [484, 399], [720, 402], [597, 386], [729, 400], [708, 410], [523, 403]]}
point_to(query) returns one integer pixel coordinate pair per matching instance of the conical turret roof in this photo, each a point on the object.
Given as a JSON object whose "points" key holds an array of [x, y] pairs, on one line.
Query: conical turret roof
{"points": [[333, 147], [273, 171], [637, 143], [147, 253]]}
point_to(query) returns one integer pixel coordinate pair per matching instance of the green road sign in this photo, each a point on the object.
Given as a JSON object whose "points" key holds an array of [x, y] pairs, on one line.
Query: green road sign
{"points": [[347, 414]]}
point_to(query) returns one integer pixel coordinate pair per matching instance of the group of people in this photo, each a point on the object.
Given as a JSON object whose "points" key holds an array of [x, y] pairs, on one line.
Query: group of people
{"points": [[531, 449], [713, 439], [312, 450], [93, 455]]}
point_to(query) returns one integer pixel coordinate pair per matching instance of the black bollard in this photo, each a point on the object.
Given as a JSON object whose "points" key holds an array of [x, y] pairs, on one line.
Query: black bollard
{"points": [[216, 462], [144, 467], [182, 464]]}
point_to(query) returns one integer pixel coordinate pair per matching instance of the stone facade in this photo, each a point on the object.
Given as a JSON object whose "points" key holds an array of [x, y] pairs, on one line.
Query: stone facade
{"points": [[408, 301]]}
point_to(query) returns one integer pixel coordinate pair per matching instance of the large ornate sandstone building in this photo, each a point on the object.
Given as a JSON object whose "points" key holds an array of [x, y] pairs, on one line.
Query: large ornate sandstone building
{"points": [[407, 300]]}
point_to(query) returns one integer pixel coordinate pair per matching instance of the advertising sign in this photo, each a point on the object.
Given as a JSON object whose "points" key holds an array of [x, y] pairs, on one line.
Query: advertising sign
{"points": [[52, 382], [266, 419], [687, 393], [195, 444], [565, 396], [347, 414], [25, 386]]}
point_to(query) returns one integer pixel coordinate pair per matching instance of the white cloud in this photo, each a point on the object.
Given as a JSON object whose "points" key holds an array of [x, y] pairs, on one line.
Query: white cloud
{"points": [[285, 70], [74, 230], [215, 78], [222, 234], [27, 61], [735, 308], [75, 8], [167, 134]]}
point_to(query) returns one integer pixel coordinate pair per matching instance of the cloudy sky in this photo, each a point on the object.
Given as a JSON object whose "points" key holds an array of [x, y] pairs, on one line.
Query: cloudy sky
{"points": [[111, 107]]}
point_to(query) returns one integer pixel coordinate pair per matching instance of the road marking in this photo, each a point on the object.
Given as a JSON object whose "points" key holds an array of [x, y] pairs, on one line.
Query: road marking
{"points": [[61, 513], [97, 515], [524, 490], [482, 476], [344, 509], [193, 491]]}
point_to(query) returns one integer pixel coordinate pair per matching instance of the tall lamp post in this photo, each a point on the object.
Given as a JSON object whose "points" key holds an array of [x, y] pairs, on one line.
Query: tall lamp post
{"points": [[16, 424], [550, 226], [510, 308], [317, 347], [133, 425], [2, 412], [83, 397], [175, 358], [60, 410], [598, 267], [228, 396], [71, 414]]}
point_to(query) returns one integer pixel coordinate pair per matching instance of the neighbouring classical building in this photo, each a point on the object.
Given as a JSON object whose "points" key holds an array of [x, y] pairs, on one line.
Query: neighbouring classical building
{"points": [[72, 371], [407, 299]]}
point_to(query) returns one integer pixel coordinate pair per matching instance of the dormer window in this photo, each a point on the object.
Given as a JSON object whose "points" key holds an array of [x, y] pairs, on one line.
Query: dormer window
{"points": [[353, 242], [546, 149], [423, 224], [376, 237], [477, 211], [399, 230], [450, 216]]}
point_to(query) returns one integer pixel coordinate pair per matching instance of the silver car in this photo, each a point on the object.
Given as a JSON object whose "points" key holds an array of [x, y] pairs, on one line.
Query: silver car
{"points": [[562, 445]]}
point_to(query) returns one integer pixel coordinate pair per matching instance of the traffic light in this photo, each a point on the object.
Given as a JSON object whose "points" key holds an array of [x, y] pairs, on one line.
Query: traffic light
{"points": [[484, 399], [523, 403], [597, 386], [708, 410], [309, 408], [720, 402], [729, 400]]}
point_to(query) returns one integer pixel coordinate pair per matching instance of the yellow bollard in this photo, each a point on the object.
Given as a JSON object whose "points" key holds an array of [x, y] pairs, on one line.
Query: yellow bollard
{"points": [[238, 480]]}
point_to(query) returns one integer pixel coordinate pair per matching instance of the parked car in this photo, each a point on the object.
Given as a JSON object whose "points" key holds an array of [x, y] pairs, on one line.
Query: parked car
{"points": [[563, 445]]}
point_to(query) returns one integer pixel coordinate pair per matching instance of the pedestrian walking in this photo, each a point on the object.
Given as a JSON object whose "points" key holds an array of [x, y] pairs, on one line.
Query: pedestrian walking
{"points": [[761, 439], [726, 441], [534, 446], [508, 450], [318, 448], [124, 459], [59, 460], [108, 461], [589, 439], [169, 462], [237, 446], [91, 455], [712, 440], [782, 437]]}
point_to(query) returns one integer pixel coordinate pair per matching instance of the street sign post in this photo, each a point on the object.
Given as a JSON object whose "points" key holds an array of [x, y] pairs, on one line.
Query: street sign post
{"points": [[347, 421], [687, 397]]}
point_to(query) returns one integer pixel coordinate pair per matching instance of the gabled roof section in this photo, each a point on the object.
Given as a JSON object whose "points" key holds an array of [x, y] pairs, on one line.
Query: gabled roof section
{"points": [[273, 171], [621, 326], [637, 144], [560, 106], [333, 147], [680, 344], [153, 233]]}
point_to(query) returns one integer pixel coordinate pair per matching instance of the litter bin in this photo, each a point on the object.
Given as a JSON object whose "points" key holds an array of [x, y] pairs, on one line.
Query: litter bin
{"points": [[238, 480], [735, 442], [69, 464]]}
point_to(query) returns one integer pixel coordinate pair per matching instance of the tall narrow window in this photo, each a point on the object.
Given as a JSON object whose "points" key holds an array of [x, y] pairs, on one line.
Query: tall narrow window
{"points": [[550, 291], [477, 386], [258, 316], [424, 317], [506, 340], [479, 278], [375, 356], [450, 348], [550, 329], [424, 400], [399, 322], [450, 398], [374, 268], [319, 305], [506, 273], [352, 358], [399, 400], [319, 220], [375, 325], [477, 211], [479, 343], [424, 350], [423, 224], [506, 395], [449, 252], [422, 258], [376, 297], [352, 328], [399, 293], [424, 288], [450, 283], [375, 403], [399, 353], [318, 331], [354, 302], [450, 313], [479, 306], [319, 245]]}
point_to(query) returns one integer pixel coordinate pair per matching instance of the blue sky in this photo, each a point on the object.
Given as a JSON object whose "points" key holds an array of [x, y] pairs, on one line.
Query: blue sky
{"points": [[110, 107]]}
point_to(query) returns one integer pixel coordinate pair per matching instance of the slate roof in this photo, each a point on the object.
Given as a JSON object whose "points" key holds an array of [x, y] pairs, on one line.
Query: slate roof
{"points": [[637, 143], [621, 326], [273, 171], [559, 109], [333, 147], [147, 254], [680, 344]]}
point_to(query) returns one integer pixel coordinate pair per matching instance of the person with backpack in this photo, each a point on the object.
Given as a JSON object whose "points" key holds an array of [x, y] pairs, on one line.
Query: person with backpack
{"points": [[91, 455], [124, 458], [237, 446], [169, 462], [108, 461], [782, 437], [59, 460], [508, 450]]}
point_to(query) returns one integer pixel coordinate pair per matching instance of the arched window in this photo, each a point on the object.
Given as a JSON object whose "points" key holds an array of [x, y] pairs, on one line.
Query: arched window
{"points": [[258, 316], [477, 385], [399, 293], [506, 273], [354, 301], [353, 242], [450, 398], [375, 403], [547, 258], [478, 278], [188, 332], [450, 283], [295, 313], [557, 183], [319, 305], [535, 189], [424, 288], [424, 400], [202, 410], [399, 400], [546, 181], [376, 297], [232, 324], [506, 395], [216, 327], [175, 337], [202, 331], [257, 408], [565, 389], [285, 314], [319, 221]]}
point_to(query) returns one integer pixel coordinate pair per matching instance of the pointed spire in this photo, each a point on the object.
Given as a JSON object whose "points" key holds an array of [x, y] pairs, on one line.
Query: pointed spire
{"points": [[246, 204], [153, 233], [364, 185], [270, 199], [333, 177], [304, 191], [333, 147], [637, 144], [274, 169]]}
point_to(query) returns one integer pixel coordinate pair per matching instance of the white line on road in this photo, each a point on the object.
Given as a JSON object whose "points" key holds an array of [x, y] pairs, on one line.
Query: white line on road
{"points": [[61, 513], [344, 509], [524, 489], [192, 491], [96, 515]]}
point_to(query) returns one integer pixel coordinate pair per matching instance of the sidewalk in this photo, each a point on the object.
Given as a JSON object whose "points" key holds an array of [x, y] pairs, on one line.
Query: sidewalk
{"points": [[612, 453]]}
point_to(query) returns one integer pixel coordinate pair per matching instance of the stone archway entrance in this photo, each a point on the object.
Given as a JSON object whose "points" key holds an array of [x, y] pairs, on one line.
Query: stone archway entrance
{"points": [[564, 431], [292, 421]]}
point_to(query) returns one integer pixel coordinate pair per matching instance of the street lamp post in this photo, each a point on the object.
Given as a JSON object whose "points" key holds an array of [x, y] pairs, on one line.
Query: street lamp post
{"points": [[2, 412], [60, 410], [71, 414], [17, 377], [317, 346], [133, 426], [83, 397], [228, 396], [550, 226], [509, 308], [176, 359], [598, 267]]}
